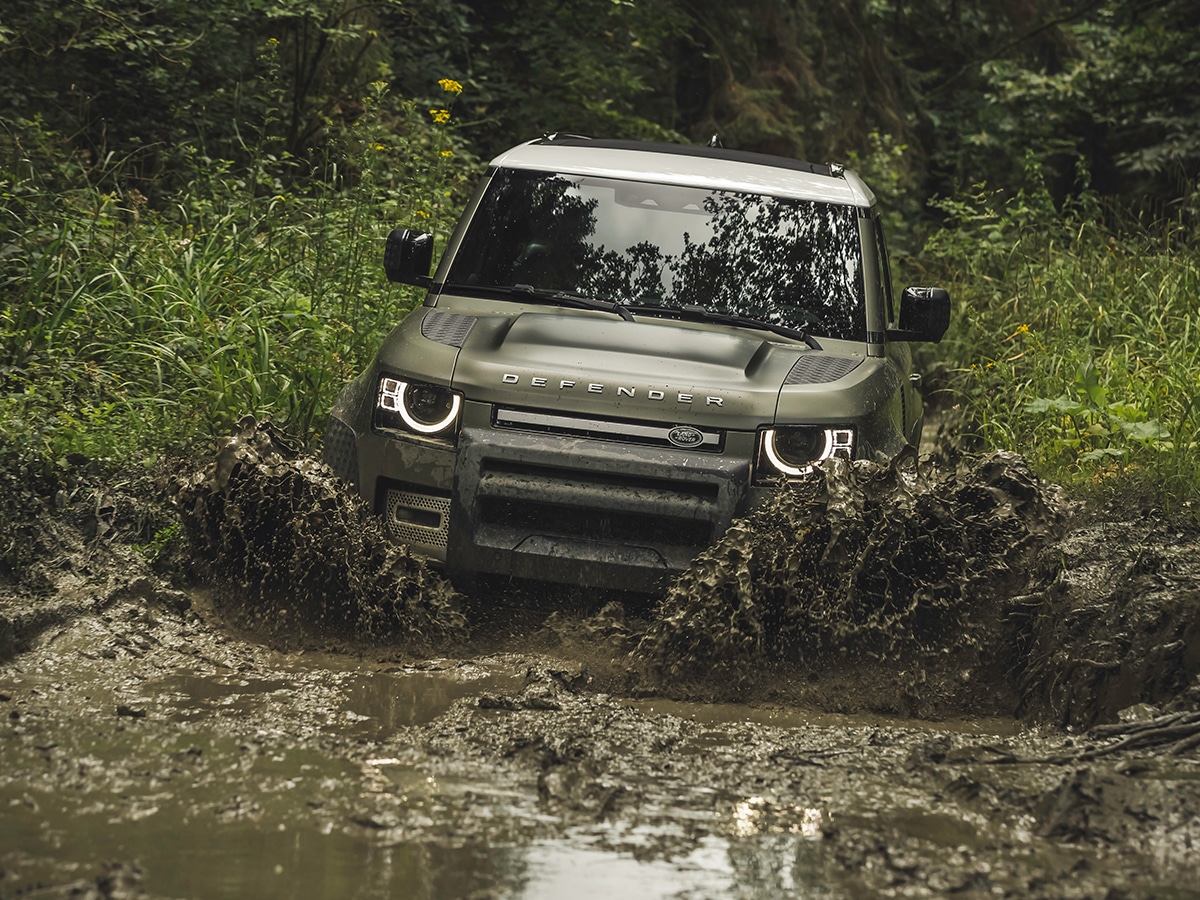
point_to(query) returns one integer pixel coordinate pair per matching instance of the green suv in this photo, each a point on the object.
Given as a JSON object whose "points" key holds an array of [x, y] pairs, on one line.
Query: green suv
{"points": [[624, 347]]}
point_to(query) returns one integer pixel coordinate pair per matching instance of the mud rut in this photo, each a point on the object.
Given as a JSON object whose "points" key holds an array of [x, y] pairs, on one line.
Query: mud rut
{"points": [[908, 681]]}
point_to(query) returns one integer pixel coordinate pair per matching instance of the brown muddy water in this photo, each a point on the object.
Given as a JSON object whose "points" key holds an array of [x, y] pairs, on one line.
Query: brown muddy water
{"points": [[1020, 720]]}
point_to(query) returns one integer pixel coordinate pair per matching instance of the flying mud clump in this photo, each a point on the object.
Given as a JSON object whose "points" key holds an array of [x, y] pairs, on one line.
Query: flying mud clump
{"points": [[862, 568], [275, 528]]}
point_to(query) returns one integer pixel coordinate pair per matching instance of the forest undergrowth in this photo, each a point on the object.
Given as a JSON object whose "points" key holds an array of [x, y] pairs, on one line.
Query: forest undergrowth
{"points": [[129, 326], [1073, 339]]}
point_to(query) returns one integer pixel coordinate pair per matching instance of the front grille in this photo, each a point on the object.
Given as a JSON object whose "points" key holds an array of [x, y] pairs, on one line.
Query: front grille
{"points": [[595, 525], [419, 519], [679, 517], [537, 473], [687, 437]]}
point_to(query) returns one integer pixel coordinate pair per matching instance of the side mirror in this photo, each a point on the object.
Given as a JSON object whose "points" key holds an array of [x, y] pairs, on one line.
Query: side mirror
{"points": [[408, 256], [924, 315]]}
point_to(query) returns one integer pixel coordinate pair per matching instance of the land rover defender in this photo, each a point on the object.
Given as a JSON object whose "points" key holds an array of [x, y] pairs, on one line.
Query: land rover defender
{"points": [[625, 346]]}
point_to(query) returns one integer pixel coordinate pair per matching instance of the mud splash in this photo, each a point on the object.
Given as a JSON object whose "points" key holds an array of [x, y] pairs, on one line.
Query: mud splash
{"points": [[934, 592], [1114, 622], [897, 576], [976, 590], [276, 527]]}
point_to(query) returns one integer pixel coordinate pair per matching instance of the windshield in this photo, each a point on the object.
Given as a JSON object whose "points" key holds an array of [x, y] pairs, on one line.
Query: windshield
{"points": [[788, 262]]}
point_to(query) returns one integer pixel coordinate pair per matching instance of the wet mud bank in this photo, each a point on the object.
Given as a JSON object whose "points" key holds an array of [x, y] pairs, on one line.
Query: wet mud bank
{"points": [[971, 590], [223, 680]]}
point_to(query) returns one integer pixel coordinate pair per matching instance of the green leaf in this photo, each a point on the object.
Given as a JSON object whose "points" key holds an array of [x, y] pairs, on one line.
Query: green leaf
{"points": [[1150, 430], [1126, 412], [1087, 383], [1062, 406]]}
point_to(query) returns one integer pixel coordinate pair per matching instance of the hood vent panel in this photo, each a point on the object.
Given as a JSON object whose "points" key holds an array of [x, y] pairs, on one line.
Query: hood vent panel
{"points": [[447, 328], [821, 369]]}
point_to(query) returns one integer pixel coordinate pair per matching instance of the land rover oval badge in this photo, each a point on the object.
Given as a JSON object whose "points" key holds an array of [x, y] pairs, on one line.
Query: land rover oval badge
{"points": [[685, 436]]}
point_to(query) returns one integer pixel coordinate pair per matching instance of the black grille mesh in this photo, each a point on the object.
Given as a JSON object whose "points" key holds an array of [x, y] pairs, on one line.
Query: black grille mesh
{"points": [[447, 328], [821, 369], [341, 450]]}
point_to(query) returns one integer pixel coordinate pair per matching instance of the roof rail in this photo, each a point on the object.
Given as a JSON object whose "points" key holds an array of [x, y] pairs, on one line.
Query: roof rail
{"points": [[563, 136]]}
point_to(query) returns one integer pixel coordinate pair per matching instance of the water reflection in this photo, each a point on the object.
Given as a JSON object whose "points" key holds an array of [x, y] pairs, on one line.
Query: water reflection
{"points": [[756, 815], [364, 702]]}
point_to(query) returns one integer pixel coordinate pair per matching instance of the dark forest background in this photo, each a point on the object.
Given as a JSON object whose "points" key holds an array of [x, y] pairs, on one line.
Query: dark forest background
{"points": [[205, 182], [957, 90]]}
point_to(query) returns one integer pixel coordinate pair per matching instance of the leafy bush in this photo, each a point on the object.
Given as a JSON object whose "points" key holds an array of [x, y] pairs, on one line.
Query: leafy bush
{"points": [[1072, 342], [128, 326]]}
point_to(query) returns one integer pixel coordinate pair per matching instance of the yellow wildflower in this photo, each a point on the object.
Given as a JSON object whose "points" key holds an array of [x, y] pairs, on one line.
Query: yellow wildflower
{"points": [[1021, 329], [447, 153], [440, 116], [450, 86]]}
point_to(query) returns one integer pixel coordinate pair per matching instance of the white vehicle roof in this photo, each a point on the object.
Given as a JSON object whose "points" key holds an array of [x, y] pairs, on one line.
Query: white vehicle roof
{"points": [[683, 164]]}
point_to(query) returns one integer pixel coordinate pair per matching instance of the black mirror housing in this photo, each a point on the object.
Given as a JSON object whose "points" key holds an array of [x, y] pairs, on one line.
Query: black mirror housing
{"points": [[924, 315], [408, 256]]}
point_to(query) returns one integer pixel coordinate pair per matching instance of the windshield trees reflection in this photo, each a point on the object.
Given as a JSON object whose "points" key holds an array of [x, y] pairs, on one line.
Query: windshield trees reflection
{"points": [[789, 262]]}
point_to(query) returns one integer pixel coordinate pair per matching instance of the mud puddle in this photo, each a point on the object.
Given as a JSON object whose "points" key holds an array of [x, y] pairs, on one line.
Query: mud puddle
{"points": [[212, 766], [164, 754], [882, 684]]}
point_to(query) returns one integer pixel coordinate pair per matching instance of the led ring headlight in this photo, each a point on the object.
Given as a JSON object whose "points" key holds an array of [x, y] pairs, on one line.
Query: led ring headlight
{"points": [[834, 442], [398, 397]]}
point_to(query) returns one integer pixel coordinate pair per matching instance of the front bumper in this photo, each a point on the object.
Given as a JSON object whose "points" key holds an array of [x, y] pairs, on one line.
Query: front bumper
{"points": [[586, 512], [548, 507]]}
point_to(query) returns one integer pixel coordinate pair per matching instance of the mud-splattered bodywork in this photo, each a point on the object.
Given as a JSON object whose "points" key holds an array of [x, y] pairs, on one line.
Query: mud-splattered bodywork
{"points": [[603, 425]]}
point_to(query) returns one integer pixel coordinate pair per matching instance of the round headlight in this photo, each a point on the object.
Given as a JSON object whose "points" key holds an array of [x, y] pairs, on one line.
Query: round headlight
{"points": [[423, 408], [429, 407], [794, 450]]}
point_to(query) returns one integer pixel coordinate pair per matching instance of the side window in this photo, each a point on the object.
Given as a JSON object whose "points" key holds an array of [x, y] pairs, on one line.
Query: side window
{"points": [[885, 272]]}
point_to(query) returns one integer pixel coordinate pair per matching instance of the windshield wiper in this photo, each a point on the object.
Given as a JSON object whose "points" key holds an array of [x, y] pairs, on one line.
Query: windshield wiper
{"points": [[529, 293], [565, 298], [700, 314]]}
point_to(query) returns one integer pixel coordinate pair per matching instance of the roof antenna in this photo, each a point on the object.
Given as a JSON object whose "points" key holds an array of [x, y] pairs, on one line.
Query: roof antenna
{"points": [[715, 141]]}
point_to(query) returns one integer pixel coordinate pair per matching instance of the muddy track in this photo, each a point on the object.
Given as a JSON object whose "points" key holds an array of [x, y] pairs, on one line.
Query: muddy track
{"points": [[887, 682]]}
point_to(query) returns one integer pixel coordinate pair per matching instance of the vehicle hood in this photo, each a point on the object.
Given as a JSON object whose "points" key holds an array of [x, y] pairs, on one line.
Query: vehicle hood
{"points": [[662, 370]]}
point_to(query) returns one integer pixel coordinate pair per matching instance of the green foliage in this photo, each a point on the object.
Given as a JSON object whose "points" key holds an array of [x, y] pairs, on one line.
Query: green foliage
{"points": [[147, 81], [885, 167], [537, 66], [1072, 345], [161, 542], [1111, 81], [1093, 429], [126, 328]]}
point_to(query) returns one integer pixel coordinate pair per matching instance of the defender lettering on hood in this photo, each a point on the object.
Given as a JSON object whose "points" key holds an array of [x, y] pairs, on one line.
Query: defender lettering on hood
{"points": [[629, 345], [592, 387]]}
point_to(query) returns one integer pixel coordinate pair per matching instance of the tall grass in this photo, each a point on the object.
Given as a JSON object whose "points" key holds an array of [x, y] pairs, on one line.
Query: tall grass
{"points": [[1075, 341], [126, 329]]}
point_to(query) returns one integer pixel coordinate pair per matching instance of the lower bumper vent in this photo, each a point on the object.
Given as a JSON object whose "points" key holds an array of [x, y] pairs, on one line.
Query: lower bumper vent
{"points": [[417, 519]]}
